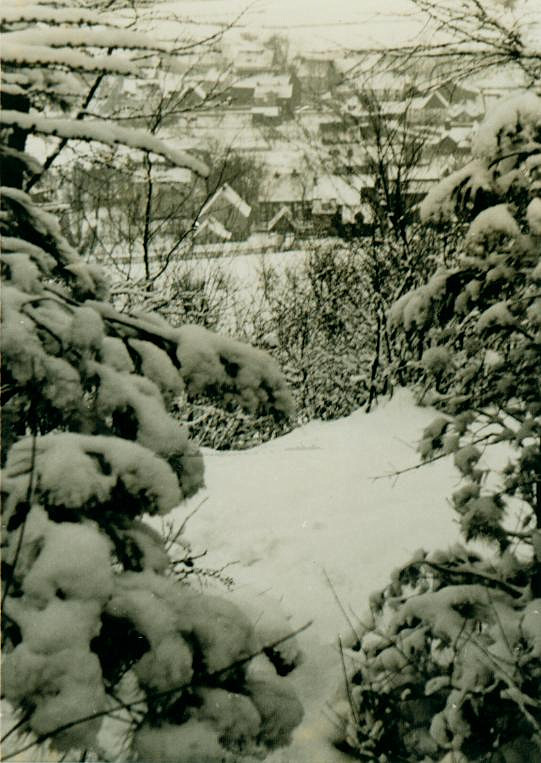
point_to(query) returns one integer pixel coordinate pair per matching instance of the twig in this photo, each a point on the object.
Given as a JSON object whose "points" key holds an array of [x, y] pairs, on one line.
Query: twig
{"points": [[346, 681], [80, 115], [15, 727], [489, 439], [341, 606], [495, 581], [187, 518]]}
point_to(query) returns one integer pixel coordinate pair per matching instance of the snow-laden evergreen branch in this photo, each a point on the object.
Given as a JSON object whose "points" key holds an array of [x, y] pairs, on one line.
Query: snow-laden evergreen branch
{"points": [[22, 13], [216, 674], [100, 132], [21, 55], [107, 37]]}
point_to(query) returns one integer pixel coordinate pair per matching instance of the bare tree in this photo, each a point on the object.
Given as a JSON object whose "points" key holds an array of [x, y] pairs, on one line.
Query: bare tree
{"points": [[473, 37], [115, 208]]}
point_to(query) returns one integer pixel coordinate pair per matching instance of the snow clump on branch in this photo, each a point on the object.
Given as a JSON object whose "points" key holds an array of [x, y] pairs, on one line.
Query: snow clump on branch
{"points": [[90, 597]]}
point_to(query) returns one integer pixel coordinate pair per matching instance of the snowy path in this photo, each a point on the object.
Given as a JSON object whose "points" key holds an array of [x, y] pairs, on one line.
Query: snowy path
{"points": [[306, 506]]}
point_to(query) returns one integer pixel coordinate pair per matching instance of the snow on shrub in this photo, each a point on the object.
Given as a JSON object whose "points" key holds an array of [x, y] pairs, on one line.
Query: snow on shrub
{"points": [[448, 660], [513, 120], [496, 219], [90, 599], [436, 359], [533, 215]]}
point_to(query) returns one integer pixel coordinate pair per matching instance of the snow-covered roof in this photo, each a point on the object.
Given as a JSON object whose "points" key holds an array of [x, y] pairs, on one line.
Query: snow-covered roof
{"points": [[268, 111], [265, 84], [284, 157], [334, 187], [461, 135], [252, 58], [470, 109], [278, 85], [217, 78], [215, 226], [430, 173], [131, 86], [226, 192], [360, 181], [282, 213], [286, 189], [193, 87], [429, 101], [247, 139]]}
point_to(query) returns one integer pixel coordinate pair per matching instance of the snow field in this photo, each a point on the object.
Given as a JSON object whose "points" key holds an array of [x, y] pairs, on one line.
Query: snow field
{"points": [[306, 509]]}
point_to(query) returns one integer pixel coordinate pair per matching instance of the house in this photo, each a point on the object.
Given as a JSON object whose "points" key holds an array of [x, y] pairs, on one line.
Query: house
{"points": [[455, 141], [349, 158], [241, 92], [211, 231], [282, 90], [266, 115], [416, 182], [290, 190], [429, 108], [333, 194], [228, 209], [456, 93], [172, 192], [193, 95], [252, 59], [266, 89], [284, 222], [340, 205], [317, 73], [171, 179], [465, 114], [271, 87], [341, 129]]}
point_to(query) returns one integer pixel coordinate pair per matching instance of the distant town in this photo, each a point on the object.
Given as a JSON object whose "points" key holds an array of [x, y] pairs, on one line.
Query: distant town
{"points": [[315, 127]]}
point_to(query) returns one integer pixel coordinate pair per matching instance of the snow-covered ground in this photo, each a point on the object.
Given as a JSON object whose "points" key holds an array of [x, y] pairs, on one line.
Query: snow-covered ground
{"points": [[310, 24], [306, 509], [306, 520]]}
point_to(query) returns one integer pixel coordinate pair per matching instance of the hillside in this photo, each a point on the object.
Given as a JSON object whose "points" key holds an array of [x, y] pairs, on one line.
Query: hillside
{"points": [[306, 509]]}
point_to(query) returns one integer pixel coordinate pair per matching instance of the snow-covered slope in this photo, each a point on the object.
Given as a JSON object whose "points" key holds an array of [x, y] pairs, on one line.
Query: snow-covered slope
{"points": [[307, 509]]}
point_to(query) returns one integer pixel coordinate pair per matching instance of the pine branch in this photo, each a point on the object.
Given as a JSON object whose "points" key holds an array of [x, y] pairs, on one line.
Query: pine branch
{"points": [[494, 581], [41, 738]]}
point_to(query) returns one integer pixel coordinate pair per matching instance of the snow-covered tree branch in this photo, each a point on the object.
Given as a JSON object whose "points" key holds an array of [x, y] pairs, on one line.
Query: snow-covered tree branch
{"points": [[90, 600]]}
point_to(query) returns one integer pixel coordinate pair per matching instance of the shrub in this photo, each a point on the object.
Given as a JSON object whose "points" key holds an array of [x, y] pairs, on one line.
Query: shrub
{"points": [[311, 317], [450, 657], [324, 320], [95, 621]]}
